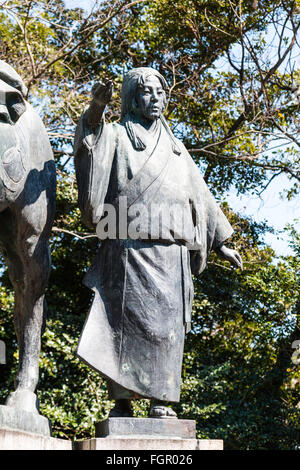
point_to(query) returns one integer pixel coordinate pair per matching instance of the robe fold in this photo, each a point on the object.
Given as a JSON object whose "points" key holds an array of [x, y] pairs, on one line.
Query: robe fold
{"points": [[142, 281]]}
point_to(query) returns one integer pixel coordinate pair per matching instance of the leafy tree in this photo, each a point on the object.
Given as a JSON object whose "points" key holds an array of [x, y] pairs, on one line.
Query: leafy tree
{"points": [[234, 106]]}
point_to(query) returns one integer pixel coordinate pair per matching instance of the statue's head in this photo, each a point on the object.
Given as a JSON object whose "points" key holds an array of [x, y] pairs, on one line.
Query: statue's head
{"points": [[12, 94], [144, 96], [144, 93]]}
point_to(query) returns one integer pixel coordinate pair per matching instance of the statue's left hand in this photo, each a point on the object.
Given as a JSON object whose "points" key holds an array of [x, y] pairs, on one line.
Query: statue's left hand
{"points": [[231, 255]]}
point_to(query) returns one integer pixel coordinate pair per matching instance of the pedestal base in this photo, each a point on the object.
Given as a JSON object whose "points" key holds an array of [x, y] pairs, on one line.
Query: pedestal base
{"points": [[148, 443], [21, 420], [147, 427], [20, 440], [147, 434]]}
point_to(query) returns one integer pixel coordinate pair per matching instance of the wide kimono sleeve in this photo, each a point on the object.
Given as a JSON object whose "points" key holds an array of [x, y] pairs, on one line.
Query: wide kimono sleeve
{"points": [[93, 153], [212, 228]]}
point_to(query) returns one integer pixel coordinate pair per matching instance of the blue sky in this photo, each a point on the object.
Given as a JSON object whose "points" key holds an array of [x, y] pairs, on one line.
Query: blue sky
{"points": [[86, 4], [277, 212]]}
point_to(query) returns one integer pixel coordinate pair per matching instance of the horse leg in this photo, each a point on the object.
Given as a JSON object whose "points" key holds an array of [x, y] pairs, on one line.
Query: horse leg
{"points": [[29, 266]]}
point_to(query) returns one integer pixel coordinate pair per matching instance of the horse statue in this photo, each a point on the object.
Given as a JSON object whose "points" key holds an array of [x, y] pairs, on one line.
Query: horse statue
{"points": [[27, 207]]}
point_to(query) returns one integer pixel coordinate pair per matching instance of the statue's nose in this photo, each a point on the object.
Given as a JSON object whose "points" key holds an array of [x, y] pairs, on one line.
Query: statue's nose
{"points": [[154, 97]]}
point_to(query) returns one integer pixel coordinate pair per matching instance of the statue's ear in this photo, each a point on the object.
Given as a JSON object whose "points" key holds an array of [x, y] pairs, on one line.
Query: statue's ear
{"points": [[134, 106]]}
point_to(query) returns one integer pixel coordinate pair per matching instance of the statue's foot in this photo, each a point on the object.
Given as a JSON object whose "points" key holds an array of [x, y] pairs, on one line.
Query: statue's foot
{"points": [[160, 411], [122, 409], [23, 399]]}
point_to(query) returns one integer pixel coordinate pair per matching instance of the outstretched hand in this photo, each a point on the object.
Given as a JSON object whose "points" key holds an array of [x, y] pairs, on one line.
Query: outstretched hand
{"points": [[102, 92], [231, 255]]}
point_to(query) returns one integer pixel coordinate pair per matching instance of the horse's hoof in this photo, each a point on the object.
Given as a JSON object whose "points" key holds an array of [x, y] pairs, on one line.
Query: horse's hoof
{"points": [[160, 411], [23, 400]]}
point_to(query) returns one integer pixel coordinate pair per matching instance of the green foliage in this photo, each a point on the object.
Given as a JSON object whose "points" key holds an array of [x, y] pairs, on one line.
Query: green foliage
{"points": [[239, 379], [239, 382]]}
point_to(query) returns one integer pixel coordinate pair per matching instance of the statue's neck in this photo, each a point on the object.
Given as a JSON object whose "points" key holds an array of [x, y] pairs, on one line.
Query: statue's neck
{"points": [[150, 126]]}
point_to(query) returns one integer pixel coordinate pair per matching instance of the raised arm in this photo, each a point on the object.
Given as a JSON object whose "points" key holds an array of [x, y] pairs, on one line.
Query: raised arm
{"points": [[93, 154], [102, 94]]}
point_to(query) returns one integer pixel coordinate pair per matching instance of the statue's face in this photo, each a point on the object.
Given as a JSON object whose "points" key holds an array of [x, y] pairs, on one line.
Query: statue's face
{"points": [[151, 99]]}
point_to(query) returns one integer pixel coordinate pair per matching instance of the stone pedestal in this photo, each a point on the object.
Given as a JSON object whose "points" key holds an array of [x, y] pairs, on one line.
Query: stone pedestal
{"points": [[24, 430], [147, 434], [148, 443], [21, 420], [147, 427], [11, 439]]}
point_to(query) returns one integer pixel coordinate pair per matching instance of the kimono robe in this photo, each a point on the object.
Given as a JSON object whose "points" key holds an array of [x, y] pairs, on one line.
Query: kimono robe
{"points": [[143, 288]]}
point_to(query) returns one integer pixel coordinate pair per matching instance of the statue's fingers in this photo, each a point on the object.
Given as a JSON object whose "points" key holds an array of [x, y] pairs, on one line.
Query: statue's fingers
{"points": [[109, 84], [98, 85], [110, 88], [98, 88], [239, 260]]}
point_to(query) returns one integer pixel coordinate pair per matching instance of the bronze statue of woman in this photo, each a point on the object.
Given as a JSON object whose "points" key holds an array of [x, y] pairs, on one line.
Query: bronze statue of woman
{"points": [[167, 223]]}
